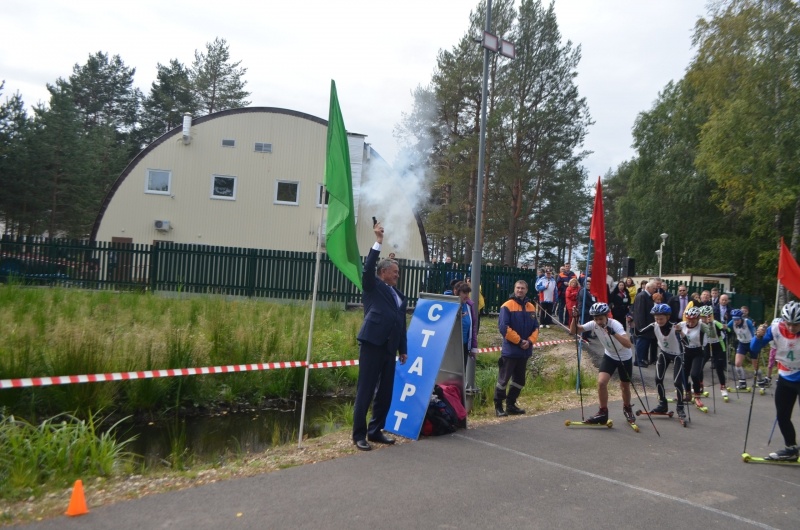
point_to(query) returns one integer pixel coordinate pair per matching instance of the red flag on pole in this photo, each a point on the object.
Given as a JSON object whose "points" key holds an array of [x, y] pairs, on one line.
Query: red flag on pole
{"points": [[597, 234], [789, 271]]}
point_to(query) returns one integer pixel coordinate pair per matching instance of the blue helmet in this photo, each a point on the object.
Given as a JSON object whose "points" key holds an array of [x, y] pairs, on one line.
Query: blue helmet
{"points": [[661, 309], [737, 314], [598, 309]]}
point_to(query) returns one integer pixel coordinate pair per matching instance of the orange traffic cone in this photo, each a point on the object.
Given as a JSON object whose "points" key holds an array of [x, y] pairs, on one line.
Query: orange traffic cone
{"points": [[77, 504]]}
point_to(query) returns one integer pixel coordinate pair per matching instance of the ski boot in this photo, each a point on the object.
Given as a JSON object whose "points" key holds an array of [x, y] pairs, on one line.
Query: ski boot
{"points": [[512, 408], [662, 408], [601, 418], [762, 385], [742, 385], [724, 393], [627, 410], [498, 409], [699, 404], [681, 414], [789, 453]]}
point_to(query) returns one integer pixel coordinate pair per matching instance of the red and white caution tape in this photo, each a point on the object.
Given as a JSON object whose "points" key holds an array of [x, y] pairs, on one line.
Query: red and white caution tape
{"points": [[180, 372]]}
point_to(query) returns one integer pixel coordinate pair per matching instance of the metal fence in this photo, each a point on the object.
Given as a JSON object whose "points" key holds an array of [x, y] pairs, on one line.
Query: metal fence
{"points": [[245, 272], [222, 270]]}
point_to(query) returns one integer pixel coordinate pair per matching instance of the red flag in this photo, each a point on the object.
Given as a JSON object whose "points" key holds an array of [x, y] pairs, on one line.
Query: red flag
{"points": [[789, 271], [597, 234]]}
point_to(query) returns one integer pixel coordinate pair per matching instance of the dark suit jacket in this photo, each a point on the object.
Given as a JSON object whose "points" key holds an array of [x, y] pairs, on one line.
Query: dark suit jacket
{"points": [[642, 305], [384, 322], [675, 304]]}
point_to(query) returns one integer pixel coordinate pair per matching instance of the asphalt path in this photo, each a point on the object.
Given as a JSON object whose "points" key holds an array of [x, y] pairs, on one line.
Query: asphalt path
{"points": [[531, 472]]}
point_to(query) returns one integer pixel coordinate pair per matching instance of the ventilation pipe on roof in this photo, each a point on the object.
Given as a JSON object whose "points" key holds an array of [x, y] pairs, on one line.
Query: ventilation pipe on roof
{"points": [[187, 128]]}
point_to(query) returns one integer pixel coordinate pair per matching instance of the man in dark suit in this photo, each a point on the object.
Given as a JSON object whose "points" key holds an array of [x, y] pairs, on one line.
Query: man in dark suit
{"points": [[382, 335], [642, 319]]}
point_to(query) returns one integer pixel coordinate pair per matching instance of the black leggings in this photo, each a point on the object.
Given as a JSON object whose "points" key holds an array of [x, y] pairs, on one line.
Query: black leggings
{"points": [[786, 393], [677, 374], [695, 359], [719, 361]]}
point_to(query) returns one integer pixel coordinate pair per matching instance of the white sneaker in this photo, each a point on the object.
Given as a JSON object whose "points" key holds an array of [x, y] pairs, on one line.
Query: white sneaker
{"points": [[724, 392]]}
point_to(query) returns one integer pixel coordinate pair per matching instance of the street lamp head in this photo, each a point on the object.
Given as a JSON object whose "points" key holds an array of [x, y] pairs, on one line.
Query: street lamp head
{"points": [[664, 237]]}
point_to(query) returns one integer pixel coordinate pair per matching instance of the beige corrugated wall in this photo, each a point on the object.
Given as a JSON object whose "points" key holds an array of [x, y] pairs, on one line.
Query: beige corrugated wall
{"points": [[253, 219]]}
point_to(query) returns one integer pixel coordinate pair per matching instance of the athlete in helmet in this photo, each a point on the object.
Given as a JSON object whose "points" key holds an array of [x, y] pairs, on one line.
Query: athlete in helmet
{"points": [[618, 356], [694, 334], [745, 331], [669, 351], [715, 347], [785, 333]]}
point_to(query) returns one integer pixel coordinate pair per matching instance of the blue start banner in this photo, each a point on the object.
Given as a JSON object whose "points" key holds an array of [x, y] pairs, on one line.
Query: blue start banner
{"points": [[428, 335]]}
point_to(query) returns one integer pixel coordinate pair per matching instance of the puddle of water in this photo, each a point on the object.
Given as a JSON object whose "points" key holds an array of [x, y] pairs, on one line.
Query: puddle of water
{"points": [[208, 438]]}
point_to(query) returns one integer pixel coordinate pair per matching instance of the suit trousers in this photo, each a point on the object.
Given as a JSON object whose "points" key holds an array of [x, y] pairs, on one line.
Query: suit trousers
{"points": [[376, 366]]}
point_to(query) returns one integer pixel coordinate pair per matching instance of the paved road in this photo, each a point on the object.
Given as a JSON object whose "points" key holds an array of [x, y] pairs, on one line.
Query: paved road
{"points": [[529, 473]]}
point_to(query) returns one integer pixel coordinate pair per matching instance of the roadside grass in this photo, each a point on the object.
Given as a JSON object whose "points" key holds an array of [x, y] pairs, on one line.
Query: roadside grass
{"points": [[61, 332]]}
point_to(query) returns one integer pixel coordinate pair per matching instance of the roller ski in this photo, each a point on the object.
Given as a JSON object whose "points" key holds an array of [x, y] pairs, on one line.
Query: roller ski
{"points": [[740, 388], [763, 385], [787, 455], [628, 412], [660, 410], [598, 420], [699, 404], [724, 393]]}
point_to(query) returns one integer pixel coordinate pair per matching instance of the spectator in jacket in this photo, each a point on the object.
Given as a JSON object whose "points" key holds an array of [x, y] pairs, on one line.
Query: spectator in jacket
{"points": [[469, 320], [571, 296], [645, 335], [620, 302], [519, 328], [546, 287]]}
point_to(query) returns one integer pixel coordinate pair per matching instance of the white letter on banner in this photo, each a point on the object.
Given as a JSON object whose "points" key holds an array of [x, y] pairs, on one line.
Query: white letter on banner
{"points": [[431, 316], [400, 417], [408, 390], [416, 367], [428, 334]]}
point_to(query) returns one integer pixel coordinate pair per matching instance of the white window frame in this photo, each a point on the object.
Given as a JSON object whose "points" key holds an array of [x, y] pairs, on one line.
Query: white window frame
{"points": [[147, 182], [277, 185], [222, 197], [228, 140], [321, 187]]}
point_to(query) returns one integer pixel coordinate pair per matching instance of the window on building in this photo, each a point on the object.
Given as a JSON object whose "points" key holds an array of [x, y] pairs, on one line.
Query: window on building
{"points": [[320, 187], [158, 181], [287, 192], [223, 187], [263, 147], [228, 143]]}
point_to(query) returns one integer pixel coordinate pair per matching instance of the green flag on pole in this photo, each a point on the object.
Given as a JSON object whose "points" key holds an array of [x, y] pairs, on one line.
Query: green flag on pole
{"points": [[340, 228]]}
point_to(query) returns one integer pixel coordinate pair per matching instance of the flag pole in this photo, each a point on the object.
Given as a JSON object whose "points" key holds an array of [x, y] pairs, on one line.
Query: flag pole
{"points": [[583, 308], [311, 326]]}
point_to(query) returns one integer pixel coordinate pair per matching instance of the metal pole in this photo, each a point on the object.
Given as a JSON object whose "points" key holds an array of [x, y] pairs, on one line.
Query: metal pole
{"points": [[477, 248]]}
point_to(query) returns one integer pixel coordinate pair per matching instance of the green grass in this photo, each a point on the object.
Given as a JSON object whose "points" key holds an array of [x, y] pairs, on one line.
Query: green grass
{"points": [[55, 453], [63, 332]]}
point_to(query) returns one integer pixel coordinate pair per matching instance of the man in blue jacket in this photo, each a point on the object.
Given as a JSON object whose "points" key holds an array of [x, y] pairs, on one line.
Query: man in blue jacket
{"points": [[520, 329], [382, 336]]}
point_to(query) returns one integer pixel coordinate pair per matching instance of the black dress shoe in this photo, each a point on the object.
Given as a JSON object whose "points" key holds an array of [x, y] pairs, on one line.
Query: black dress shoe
{"points": [[512, 408], [381, 439], [363, 445]]}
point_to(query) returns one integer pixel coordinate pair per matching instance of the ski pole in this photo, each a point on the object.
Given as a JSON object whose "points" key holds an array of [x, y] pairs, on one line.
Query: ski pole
{"points": [[750, 414], [628, 376], [580, 390], [773, 430]]}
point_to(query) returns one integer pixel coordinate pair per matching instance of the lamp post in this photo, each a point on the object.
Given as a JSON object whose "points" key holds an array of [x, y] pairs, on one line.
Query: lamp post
{"points": [[660, 252], [491, 44]]}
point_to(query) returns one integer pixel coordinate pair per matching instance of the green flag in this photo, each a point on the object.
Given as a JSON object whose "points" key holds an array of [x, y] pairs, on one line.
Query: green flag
{"points": [[340, 229]]}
